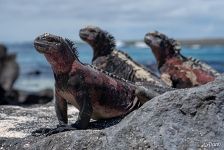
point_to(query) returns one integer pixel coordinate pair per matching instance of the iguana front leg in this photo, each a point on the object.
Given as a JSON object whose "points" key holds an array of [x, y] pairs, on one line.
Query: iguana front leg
{"points": [[61, 112], [85, 111], [61, 109], [84, 114], [77, 83], [144, 94]]}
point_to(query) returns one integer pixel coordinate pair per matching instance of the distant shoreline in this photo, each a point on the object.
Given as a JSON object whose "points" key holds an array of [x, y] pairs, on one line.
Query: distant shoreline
{"points": [[202, 42], [189, 42]]}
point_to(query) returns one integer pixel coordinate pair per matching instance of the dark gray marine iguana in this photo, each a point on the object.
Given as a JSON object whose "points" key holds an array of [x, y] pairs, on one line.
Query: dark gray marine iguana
{"points": [[176, 69], [94, 92], [9, 73], [108, 58], [9, 69]]}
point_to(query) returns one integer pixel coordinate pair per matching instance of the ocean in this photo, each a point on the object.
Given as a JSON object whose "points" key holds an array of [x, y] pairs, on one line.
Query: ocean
{"points": [[30, 60]]}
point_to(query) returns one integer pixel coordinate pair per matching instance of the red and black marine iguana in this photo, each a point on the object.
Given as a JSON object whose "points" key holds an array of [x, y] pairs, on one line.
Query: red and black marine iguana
{"points": [[108, 58], [95, 93], [175, 69]]}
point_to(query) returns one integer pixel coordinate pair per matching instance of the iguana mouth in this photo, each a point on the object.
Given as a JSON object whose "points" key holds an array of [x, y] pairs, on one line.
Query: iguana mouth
{"points": [[152, 39], [47, 43], [148, 39], [86, 35], [83, 34]]}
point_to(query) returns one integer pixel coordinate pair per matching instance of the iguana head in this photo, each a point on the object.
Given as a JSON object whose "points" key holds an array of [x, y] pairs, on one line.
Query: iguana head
{"points": [[59, 52], [101, 41], [162, 47]]}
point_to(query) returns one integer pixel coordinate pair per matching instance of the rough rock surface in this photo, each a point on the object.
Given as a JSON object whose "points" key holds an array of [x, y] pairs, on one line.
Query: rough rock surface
{"points": [[181, 119]]}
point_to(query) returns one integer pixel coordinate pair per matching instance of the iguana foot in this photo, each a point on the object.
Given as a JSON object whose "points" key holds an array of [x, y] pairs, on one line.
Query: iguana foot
{"points": [[78, 125], [41, 131], [144, 94], [50, 131]]}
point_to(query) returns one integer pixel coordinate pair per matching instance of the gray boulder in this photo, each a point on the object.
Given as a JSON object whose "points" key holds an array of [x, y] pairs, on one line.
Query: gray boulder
{"points": [[181, 119]]}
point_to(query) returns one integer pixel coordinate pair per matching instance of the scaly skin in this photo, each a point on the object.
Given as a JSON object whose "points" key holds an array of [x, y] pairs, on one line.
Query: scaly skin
{"points": [[97, 94], [108, 58], [175, 69]]}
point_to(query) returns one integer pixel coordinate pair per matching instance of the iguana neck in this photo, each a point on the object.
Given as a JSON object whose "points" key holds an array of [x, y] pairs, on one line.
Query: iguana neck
{"points": [[102, 49], [61, 80], [60, 63]]}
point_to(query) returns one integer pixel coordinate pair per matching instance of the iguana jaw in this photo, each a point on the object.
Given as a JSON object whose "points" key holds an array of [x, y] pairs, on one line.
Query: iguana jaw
{"points": [[154, 43], [152, 40], [47, 43], [89, 34]]}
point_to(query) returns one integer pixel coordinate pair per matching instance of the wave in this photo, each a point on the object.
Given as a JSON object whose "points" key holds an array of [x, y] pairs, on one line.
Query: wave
{"points": [[120, 44], [195, 46], [140, 45]]}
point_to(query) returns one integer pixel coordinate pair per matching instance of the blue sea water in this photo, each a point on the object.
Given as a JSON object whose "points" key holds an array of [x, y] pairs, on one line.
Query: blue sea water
{"points": [[30, 60]]}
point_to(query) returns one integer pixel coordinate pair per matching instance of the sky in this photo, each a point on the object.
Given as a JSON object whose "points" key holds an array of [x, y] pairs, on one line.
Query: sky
{"points": [[23, 20]]}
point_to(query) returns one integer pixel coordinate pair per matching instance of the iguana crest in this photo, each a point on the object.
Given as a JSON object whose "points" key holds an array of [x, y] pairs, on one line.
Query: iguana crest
{"points": [[72, 47]]}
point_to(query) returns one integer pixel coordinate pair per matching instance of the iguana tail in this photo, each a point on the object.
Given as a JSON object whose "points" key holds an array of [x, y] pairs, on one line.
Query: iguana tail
{"points": [[145, 94]]}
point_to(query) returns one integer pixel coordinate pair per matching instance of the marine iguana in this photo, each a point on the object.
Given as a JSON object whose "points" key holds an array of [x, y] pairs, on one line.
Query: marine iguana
{"points": [[108, 58], [176, 69], [94, 92], [9, 72], [3, 51]]}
